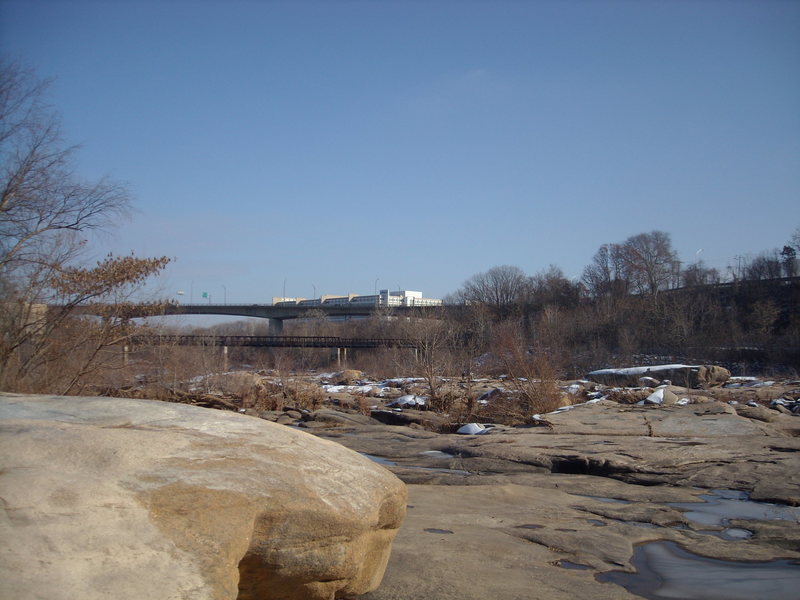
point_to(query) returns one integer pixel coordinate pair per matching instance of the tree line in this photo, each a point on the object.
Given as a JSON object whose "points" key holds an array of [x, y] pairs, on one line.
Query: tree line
{"points": [[635, 300]]}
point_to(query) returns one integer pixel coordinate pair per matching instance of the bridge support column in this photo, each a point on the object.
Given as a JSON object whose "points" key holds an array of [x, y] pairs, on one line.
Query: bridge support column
{"points": [[275, 326], [341, 354], [225, 358], [125, 350]]}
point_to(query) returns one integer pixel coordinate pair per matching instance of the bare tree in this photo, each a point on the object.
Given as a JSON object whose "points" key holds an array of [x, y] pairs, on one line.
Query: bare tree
{"points": [[500, 288], [432, 358], [698, 274], [551, 288], [606, 277], [45, 212], [649, 261], [766, 265]]}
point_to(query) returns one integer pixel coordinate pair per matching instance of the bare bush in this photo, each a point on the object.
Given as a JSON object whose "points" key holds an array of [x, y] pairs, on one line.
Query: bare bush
{"points": [[531, 374]]}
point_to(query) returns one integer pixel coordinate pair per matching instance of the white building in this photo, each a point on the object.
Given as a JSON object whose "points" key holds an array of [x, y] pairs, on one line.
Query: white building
{"points": [[383, 298]]}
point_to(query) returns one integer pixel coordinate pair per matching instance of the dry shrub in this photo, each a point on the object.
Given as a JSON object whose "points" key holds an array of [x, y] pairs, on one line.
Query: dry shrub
{"points": [[532, 372], [503, 409], [301, 394], [443, 401], [540, 391], [628, 395], [263, 395], [363, 403]]}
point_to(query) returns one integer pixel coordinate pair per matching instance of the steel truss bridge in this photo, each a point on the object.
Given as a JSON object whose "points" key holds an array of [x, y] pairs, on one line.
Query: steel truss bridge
{"points": [[270, 341]]}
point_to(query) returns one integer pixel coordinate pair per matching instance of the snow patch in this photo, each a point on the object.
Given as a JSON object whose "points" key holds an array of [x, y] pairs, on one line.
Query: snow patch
{"points": [[473, 429], [407, 401], [642, 370]]}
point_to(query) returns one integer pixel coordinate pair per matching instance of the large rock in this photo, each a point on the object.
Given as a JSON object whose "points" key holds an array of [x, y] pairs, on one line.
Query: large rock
{"points": [[139, 499], [693, 376]]}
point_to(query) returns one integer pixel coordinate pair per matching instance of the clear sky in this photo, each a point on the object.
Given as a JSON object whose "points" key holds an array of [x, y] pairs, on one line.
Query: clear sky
{"points": [[321, 146]]}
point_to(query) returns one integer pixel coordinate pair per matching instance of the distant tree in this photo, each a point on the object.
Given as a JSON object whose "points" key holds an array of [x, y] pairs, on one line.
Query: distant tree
{"points": [[649, 262], [698, 274], [795, 241], [433, 360], [605, 277], [766, 265], [551, 288], [789, 260], [500, 288]]}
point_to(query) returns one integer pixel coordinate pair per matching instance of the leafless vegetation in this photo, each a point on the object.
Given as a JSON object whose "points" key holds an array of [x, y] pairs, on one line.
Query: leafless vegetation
{"points": [[45, 213]]}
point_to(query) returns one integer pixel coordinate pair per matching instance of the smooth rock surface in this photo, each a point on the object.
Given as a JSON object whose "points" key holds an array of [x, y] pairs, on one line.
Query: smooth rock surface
{"points": [[504, 515], [117, 498]]}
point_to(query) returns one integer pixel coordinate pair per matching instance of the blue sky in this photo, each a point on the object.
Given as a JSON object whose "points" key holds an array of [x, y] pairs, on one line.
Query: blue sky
{"points": [[327, 145]]}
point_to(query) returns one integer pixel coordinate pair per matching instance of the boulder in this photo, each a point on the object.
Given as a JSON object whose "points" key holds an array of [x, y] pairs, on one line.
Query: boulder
{"points": [[663, 395], [132, 499], [348, 377], [691, 376]]}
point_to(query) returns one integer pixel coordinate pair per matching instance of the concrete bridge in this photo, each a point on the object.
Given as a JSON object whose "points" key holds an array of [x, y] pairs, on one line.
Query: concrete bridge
{"points": [[278, 314]]}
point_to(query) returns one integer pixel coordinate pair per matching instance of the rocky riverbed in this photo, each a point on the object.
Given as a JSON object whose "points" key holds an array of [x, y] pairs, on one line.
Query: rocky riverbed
{"points": [[607, 499], [654, 491]]}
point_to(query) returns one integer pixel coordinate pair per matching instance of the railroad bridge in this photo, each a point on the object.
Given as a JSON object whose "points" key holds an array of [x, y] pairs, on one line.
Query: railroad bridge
{"points": [[269, 341]]}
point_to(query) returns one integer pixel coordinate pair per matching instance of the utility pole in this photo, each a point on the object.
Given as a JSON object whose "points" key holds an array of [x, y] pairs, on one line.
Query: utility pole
{"points": [[738, 258]]}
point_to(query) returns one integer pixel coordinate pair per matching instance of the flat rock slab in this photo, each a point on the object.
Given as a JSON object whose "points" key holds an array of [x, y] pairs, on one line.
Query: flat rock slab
{"points": [[120, 498], [539, 542], [703, 445], [538, 512]]}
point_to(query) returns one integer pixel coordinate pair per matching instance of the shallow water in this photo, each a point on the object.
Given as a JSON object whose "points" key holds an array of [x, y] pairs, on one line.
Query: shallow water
{"points": [[380, 460], [730, 534], [566, 564], [720, 506], [436, 454], [605, 499], [597, 522], [665, 570], [434, 530]]}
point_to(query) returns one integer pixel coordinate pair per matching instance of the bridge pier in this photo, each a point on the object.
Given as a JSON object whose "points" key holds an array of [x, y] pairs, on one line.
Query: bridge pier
{"points": [[341, 353], [275, 326]]}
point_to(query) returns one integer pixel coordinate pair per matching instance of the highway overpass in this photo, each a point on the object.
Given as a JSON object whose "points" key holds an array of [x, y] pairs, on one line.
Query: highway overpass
{"points": [[277, 314]]}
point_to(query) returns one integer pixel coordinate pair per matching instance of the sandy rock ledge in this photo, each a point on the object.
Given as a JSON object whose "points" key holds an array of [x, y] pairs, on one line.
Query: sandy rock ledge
{"points": [[106, 497]]}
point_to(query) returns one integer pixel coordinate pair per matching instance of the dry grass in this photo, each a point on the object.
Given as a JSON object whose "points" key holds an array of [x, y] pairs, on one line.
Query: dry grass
{"points": [[628, 395]]}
